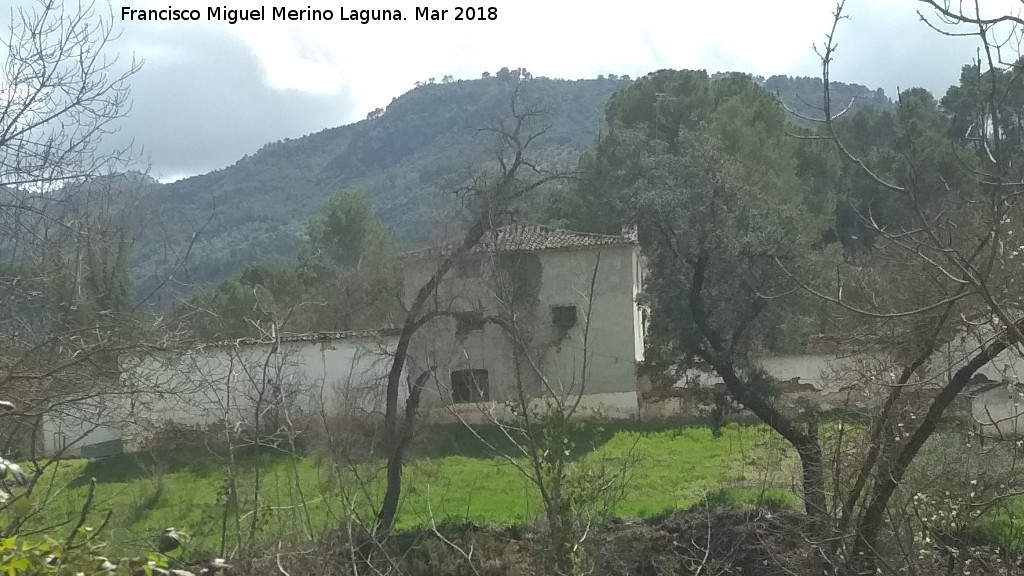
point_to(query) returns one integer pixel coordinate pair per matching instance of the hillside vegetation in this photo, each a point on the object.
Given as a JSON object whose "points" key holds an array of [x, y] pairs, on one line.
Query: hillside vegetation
{"points": [[406, 159]]}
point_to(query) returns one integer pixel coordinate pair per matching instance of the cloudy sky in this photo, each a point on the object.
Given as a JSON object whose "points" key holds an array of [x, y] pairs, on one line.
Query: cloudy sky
{"points": [[211, 92]]}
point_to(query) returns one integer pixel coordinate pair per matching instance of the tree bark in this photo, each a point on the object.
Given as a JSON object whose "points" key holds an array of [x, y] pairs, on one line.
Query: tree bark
{"points": [[389, 508], [721, 359], [498, 197], [872, 522]]}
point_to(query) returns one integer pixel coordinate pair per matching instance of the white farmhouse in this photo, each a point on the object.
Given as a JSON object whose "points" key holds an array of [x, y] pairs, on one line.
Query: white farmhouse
{"points": [[566, 301], [546, 311], [552, 311]]}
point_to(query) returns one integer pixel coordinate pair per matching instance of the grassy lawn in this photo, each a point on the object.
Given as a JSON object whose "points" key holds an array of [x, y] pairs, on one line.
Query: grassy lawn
{"points": [[452, 477]]}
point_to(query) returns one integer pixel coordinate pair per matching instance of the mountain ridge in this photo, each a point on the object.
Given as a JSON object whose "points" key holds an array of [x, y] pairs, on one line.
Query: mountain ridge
{"points": [[403, 158]]}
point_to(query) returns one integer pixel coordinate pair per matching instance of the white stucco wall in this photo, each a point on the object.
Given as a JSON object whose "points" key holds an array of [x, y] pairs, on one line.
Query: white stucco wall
{"points": [[809, 368], [224, 384]]}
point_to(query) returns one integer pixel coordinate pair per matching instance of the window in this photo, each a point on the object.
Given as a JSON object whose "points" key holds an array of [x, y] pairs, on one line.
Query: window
{"points": [[466, 322], [563, 318], [469, 268], [470, 386]]}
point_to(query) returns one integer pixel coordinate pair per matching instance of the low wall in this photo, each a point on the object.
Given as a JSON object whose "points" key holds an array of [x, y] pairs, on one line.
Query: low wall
{"points": [[610, 406], [987, 407]]}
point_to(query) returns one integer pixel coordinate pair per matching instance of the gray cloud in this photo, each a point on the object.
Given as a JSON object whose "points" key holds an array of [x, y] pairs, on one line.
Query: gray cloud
{"points": [[203, 100], [200, 102]]}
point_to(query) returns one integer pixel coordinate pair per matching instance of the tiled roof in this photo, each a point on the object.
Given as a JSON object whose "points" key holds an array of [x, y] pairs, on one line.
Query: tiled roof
{"points": [[527, 237], [307, 337]]}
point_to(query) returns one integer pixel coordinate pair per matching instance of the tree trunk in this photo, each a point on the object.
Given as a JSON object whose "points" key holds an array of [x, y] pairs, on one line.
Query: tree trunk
{"points": [[395, 441], [749, 390], [815, 500], [872, 522], [813, 473], [389, 507]]}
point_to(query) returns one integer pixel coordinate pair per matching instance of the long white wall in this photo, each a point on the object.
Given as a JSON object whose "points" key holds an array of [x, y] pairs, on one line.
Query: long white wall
{"points": [[235, 385]]}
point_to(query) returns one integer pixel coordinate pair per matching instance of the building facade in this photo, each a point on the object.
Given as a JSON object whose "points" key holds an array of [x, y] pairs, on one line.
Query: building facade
{"points": [[532, 308], [547, 311]]}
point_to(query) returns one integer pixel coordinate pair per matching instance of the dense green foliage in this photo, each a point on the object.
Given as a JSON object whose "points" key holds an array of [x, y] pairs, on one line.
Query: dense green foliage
{"points": [[740, 223], [705, 170], [802, 96], [346, 278]]}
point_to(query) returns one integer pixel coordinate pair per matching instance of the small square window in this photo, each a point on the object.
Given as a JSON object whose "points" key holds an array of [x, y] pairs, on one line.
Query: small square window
{"points": [[563, 318], [470, 386], [466, 322]]}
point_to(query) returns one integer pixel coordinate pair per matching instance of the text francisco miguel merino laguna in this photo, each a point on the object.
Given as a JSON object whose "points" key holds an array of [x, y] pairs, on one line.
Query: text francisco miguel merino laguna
{"points": [[233, 15]]}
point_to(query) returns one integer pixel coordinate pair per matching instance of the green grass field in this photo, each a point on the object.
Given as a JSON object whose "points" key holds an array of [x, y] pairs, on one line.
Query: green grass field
{"points": [[452, 477]]}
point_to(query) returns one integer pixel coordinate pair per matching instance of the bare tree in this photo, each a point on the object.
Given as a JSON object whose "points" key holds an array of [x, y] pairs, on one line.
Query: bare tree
{"points": [[65, 238], [62, 92], [941, 275], [544, 417], [71, 323], [491, 196]]}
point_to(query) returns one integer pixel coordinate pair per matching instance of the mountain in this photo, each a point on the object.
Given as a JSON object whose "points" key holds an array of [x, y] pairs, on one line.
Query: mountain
{"points": [[405, 158]]}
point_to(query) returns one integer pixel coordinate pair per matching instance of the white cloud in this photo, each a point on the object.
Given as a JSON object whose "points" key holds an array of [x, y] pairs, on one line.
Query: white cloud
{"points": [[365, 66]]}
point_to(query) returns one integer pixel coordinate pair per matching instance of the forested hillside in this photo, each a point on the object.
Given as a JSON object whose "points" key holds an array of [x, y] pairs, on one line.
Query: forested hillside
{"points": [[404, 158]]}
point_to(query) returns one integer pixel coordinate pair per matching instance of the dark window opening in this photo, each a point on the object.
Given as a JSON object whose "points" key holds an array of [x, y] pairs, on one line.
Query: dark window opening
{"points": [[466, 322], [563, 317], [470, 386]]}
